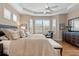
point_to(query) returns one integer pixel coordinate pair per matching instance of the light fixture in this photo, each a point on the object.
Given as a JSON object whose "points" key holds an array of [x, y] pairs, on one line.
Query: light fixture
{"points": [[23, 27]]}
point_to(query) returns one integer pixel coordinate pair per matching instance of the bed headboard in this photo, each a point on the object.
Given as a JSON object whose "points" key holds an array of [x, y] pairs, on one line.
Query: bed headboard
{"points": [[2, 26], [7, 26]]}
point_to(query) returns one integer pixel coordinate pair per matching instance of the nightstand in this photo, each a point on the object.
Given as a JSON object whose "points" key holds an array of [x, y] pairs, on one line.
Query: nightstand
{"points": [[1, 49]]}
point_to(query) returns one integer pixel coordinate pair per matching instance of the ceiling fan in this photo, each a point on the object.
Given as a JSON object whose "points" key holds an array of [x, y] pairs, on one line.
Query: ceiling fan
{"points": [[48, 9]]}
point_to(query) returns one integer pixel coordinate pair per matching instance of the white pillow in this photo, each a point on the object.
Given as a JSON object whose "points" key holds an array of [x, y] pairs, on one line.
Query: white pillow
{"points": [[28, 33], [15, 34], [22, 33], [3, 38]]}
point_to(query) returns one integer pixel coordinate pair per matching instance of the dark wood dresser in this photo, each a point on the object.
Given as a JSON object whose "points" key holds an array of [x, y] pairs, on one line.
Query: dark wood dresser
{"points": [[71, 37]]}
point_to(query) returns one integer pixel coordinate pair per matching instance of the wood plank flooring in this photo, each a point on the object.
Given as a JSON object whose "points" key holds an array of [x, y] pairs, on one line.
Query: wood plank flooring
{"points": [[69, 50]]}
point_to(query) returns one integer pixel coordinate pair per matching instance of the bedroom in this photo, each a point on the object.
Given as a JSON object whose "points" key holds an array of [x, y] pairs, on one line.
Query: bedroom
{"points": [[38, 20]]}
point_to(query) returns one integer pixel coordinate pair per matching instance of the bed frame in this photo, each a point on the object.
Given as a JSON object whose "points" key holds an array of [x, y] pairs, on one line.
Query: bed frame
{"points": [[7, 26], [2, 26]]}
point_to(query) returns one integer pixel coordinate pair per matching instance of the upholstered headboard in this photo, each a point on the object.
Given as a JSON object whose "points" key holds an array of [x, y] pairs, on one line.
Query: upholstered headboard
{"points": [[2, 27], [7, 26]]}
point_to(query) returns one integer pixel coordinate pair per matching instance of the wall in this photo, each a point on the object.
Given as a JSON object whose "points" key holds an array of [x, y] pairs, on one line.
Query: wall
{"points": [[73, 12], [62, 21], [24, 19], [59, 18], [4, 20]]}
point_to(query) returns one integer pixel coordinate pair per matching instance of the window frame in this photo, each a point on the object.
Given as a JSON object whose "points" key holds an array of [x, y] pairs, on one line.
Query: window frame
{"points": [[5, 13]]}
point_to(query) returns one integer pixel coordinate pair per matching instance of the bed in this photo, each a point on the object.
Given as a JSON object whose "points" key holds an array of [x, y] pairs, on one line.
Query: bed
{"points": [[33, 45]]}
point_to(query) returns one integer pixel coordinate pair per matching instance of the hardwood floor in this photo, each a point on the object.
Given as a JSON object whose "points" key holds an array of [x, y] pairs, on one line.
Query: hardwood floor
{"points": [[69, 50]]}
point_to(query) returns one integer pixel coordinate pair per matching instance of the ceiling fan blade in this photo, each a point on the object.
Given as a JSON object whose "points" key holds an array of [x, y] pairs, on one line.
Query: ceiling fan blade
{"points": [[51, 10], [54, 6]]}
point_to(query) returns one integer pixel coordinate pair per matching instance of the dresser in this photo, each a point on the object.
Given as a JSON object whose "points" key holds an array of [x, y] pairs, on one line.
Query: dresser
{"points": [[71, 37]]}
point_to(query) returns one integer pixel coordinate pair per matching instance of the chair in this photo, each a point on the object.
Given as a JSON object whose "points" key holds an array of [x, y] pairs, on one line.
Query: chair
{"points": [[49, 34]]}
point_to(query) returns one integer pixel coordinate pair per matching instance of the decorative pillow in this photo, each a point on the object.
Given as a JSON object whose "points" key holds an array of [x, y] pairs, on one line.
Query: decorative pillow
{"points": [[28, 33], [22, 34], [11, 34], [3, 38], [8, 34], [15, 34]]}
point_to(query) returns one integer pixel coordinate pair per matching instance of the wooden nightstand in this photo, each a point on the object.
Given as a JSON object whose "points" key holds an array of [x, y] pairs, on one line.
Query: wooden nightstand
{"points": [[1, 49]]}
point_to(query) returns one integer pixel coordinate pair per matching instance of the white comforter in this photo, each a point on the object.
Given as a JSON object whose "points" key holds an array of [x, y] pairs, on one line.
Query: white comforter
{"points": [[34, 45]]}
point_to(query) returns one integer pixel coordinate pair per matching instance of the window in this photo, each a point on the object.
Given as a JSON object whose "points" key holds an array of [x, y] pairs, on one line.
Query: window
{"points": [[46, 26], [31, 25], [54, 25], [54, 22], [14, 17], [40, 26], [7, 13]]}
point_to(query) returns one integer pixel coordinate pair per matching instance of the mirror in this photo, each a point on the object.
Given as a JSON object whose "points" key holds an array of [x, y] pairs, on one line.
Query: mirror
{"points": [[74, 23]]}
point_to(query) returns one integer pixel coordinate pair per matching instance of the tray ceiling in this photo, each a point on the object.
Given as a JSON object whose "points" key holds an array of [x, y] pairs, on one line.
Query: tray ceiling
{"points": [[42, 9]]}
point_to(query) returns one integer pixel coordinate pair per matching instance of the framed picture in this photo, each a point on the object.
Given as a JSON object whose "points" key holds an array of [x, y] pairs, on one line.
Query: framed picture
{"points": [[62, 26]]}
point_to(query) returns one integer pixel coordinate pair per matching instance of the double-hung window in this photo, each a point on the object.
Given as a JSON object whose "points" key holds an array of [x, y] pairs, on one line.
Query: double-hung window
{"points": [[14, 17], [40, 26], [7, 14]]}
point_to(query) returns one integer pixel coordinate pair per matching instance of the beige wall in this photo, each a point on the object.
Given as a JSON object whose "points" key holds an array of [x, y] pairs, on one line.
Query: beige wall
{"points": [[59, 18], [4, 20], [24, 19], [62, 20], [73, 13]]}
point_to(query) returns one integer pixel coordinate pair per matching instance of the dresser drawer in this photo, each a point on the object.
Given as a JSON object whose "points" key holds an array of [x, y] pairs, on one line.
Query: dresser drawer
{"points": [[72, 38]]}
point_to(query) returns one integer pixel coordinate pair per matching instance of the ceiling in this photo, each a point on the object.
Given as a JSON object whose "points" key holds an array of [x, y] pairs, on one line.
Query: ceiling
{"points": [[42, 9]]}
